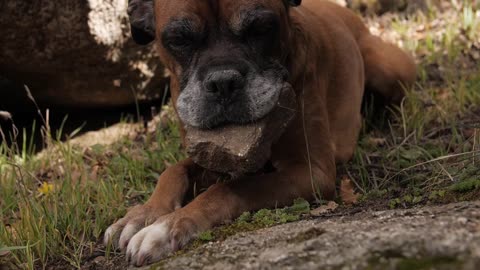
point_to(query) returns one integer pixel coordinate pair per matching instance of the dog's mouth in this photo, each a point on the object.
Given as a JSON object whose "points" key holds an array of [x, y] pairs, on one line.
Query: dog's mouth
{"points": [[229, 97], [237, 149]]}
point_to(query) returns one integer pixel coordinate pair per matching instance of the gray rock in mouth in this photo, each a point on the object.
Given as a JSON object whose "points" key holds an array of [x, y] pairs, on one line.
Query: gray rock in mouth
{"points": [[239, 149]]}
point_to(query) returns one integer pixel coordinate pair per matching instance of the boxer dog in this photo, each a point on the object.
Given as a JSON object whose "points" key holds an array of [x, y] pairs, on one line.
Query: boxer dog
{"points": [[228, 59]]}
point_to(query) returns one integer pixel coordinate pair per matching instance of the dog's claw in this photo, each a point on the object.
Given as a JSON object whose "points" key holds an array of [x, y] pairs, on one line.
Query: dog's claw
{"points": [[128, 232], [174, 245], [143, 259]]}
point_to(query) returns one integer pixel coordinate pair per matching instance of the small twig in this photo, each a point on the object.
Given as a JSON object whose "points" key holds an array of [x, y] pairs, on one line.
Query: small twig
{"points": [[45, 130], [20, 169], [475, 134], [401, 144], [404, 121], [446, 172], [30, 96]]}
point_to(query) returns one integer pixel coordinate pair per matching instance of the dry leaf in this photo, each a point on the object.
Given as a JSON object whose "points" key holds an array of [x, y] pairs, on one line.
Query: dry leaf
{"points": [[444, 94], [95, 172], [78, 176], [347, 192], [11, 232], [377, 141], [326, 208]]}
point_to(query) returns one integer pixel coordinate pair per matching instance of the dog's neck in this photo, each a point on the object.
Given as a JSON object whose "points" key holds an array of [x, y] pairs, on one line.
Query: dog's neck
{"points": [[297, 50], [305, 51]]}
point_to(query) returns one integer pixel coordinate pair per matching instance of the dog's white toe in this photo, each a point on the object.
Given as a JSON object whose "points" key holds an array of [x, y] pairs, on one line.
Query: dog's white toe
{"points": [[111, 234], [150, 244]]}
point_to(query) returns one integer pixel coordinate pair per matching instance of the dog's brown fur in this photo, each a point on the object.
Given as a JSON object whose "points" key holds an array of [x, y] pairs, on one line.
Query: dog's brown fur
{"points": [[331, 57]]}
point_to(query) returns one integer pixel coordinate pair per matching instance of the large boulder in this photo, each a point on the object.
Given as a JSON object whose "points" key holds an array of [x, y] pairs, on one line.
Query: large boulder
{"points": [[377, 7], [74, 54]]}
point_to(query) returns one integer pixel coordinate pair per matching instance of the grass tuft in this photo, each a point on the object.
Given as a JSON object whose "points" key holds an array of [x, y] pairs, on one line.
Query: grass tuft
{"points": [[56, 206]]}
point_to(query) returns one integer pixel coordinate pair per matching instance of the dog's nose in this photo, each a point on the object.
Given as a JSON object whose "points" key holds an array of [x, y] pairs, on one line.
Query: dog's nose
{"points": [[223, 83]]}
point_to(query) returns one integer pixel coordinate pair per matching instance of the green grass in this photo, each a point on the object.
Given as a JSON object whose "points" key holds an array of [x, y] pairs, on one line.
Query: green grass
{"points": [[431, 144], [89, 189], [55, 207]]}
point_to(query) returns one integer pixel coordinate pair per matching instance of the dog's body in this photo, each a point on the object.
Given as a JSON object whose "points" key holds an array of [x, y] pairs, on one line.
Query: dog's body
{"points": [[323, 50]]}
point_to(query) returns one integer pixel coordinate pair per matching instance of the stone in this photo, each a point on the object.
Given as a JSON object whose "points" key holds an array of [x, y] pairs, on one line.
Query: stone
{"points": [[363, 240], [239, 149], [74, 54], [378, 7]]}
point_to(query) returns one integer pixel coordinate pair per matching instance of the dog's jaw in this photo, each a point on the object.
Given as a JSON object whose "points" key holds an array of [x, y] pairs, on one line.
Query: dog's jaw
{"points": [[196, 108]]}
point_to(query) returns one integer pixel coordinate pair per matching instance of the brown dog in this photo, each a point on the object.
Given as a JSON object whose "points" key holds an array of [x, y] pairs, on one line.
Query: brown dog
{"points": [[227, 59]]}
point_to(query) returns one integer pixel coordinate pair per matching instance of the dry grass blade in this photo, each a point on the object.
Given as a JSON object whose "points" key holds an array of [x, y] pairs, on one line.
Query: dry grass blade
{"points": [[435, 160], [4, 115]]}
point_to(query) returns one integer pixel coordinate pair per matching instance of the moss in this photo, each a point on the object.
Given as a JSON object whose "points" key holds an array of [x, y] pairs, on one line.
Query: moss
{"points": [[394, 203], [428, 263], [466, 185], [250, 222], [375, 194], [206, 236], [406, 201], [420, 263], [437, 195]]}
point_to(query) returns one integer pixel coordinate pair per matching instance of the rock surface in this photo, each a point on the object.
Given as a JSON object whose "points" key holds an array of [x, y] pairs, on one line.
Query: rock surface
{"points": [[74, 53], [240, 149], [438, 237], [371, 7]]}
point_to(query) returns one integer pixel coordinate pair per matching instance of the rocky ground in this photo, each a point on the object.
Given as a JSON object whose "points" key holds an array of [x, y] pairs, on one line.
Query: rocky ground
{"points": [[430, 237], [441, 237]]}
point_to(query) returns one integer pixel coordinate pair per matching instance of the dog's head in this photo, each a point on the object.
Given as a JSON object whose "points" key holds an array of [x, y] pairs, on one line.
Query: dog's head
{"points": [[228, 55]]}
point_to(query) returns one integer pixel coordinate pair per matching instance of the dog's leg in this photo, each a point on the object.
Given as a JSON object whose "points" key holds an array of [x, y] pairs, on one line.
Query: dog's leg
{"points": [[305, 161], [388, 69], [169, 195], [223, 202]]}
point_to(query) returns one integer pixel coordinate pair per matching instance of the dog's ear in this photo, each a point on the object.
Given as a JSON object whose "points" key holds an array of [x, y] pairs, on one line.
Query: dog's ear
{"points": [[294, 3], [142, 20]]}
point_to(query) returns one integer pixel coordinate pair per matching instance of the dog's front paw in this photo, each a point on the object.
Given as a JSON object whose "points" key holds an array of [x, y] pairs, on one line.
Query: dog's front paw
{"points": [[120, 233], [159, 240]]}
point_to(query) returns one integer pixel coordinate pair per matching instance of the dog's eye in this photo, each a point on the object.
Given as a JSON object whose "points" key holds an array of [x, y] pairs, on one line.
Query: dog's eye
{"points": [[261, 29], [180, 35], [178, 42], [263, 24]]}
